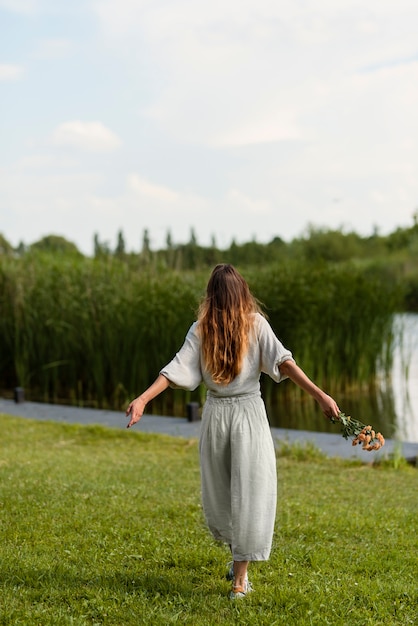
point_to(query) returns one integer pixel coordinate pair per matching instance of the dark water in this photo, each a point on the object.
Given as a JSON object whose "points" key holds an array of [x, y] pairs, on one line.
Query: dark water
{"points": [[390, 407]]}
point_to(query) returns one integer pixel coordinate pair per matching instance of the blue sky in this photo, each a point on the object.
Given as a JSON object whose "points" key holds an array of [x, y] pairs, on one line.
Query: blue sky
{"points": [[242, 120]]}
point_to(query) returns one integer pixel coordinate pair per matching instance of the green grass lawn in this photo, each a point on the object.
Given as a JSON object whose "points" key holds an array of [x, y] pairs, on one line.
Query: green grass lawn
{"points": [[100, 526]]}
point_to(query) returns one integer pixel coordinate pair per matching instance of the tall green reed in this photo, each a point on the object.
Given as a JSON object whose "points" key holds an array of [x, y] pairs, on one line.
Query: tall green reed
{"points": [[96, 332], [337, 319]]}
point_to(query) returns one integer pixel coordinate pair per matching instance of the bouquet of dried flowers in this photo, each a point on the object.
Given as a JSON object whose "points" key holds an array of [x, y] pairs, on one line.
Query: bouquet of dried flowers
{"points": [[364, 435]]}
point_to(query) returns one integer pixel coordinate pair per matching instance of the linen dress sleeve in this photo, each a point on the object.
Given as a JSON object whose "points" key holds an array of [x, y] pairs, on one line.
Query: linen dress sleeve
{"points": [[184, 371], [272, 351]]}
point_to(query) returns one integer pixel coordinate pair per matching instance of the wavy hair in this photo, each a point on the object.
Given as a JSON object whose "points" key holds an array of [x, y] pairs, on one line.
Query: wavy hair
{"points": [[225, 322]]}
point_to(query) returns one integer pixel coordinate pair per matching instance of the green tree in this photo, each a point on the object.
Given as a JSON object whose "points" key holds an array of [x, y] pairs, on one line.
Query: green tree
{"points": [[169, 240], [193, 238], [146, 253], [120, 249], [328, 245], [21, 248], [101, 248], [6, 248], [55, 244], [170, 254]]}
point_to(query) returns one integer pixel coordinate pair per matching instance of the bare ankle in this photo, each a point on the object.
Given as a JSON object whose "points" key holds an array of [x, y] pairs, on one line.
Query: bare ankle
{"points": [[240, 573]]}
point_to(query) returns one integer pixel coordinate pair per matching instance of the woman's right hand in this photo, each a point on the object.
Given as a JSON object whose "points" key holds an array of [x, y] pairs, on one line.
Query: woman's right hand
{"points": [[137, 406], [136, 410]]}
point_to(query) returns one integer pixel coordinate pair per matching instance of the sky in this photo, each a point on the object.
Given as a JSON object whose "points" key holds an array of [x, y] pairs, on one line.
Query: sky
{"points": [[240, 119]]}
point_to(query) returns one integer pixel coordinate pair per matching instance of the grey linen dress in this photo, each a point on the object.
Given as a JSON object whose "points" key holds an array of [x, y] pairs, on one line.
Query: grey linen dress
{"points": [[237, 457]]}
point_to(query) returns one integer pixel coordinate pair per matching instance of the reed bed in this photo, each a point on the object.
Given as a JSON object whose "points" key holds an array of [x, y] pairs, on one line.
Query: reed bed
{"points": [[96, 332], [337, 319]]}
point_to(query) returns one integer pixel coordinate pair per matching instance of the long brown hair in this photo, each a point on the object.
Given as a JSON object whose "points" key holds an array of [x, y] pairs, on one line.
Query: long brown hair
{"points": [[225, 322]]}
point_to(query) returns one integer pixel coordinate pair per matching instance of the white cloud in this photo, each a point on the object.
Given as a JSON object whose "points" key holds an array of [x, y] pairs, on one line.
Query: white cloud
{"points": [[279, 125], [89, 136], [148, 190], [239, 73], [243, 205], [9, 71]]}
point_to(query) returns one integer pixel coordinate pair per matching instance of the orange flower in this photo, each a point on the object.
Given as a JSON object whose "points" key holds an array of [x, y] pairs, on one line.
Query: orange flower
{"points": [[381, 439], [360, 433]]}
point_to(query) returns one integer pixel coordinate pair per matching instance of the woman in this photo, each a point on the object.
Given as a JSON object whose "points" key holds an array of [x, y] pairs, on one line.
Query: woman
{"points": [[227, 348]]}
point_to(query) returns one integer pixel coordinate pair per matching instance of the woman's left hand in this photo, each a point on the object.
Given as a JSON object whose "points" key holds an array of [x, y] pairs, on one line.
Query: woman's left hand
{"points": [[329, 406]]}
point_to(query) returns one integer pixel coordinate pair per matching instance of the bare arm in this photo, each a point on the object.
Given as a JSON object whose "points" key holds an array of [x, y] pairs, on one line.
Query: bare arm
{"points": [[294, 372], [136, 407]]}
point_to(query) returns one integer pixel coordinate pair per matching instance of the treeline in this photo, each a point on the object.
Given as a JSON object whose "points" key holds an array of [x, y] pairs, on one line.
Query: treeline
{"points": [[395, 255], [316, 244]]}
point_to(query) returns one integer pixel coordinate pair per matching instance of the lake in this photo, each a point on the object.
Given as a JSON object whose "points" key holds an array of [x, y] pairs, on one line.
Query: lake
{"points": [[391, 407]]}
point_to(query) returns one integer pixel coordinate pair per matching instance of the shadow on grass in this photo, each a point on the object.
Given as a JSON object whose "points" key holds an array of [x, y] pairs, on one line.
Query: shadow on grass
{"points": [[59, 580]]}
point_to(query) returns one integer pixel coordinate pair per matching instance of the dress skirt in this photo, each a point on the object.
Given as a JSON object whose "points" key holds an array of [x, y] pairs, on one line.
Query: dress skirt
{"points": [[238, 473]]}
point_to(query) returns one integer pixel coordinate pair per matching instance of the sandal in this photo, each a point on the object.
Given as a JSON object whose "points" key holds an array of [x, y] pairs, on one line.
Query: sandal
{"points": [[241, 592]]}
